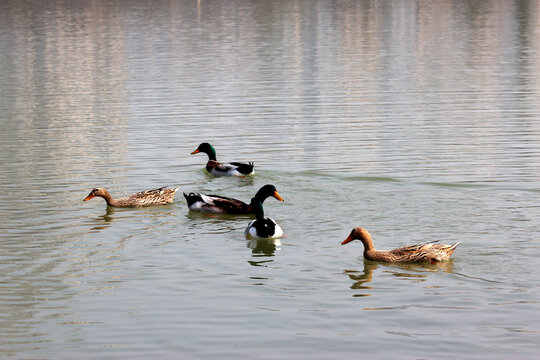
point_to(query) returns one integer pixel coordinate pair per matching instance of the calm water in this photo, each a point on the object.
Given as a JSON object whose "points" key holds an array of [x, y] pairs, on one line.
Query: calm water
{"points": [[416, 120]]}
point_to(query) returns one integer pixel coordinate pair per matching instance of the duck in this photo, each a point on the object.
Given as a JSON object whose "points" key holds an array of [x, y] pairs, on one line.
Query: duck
{"points": [[430, 251], [216, 204], [159, 196], [217, 168], [261, 227]]}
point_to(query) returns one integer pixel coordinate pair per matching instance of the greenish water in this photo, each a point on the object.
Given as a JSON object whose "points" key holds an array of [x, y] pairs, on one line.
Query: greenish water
{"points": [[416, 121]]}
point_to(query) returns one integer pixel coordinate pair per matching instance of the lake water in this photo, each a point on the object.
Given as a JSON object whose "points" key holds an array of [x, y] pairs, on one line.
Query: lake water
{"points": [[416, 120]]}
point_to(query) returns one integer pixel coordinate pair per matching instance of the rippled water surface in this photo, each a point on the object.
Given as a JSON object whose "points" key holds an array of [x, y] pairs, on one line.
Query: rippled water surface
{"points": [[416, 120]]}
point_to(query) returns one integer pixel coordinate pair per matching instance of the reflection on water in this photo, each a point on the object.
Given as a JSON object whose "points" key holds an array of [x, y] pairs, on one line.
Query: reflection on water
{"points": [[105, 220], [264, 247], [365, 277], [262, 263], [197, 215], [421, 267], [32, 292], [408, 271]]}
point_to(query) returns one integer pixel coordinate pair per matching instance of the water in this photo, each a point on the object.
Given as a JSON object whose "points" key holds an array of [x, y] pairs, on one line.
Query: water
{"points": [[418, 121]]}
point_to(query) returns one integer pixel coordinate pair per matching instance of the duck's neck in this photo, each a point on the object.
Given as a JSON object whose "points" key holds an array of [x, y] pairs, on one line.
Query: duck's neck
{"points": [[108, 198], [211, 152], [258, 207], [368, 244], [371, 253], [259, 197]]}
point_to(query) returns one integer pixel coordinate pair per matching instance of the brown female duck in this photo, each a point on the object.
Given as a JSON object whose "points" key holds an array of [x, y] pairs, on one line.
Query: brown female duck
{"points": [[431, 251], [160, 196]]}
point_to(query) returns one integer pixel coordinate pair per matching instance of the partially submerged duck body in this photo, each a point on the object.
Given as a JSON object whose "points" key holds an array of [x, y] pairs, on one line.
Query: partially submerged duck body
{"points": [[217, 168], [264, 228], [159, 196], [229, 169], [216, 204], [261, 227], [431, 251]]}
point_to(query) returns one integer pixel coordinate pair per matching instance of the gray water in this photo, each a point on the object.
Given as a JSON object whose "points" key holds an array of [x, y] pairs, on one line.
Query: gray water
{"points": [[416, 120]]}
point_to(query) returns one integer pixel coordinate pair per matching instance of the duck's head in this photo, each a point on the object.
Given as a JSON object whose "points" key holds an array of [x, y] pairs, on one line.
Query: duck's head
{"points": [[267, 191], [207, 149], [261, 195], [96, 192], [358, 233]]}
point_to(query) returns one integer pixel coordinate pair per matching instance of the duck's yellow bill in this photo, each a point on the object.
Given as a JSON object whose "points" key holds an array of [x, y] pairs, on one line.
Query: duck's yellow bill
{"points": [[195, 152], [276, 195], [89, 197]]}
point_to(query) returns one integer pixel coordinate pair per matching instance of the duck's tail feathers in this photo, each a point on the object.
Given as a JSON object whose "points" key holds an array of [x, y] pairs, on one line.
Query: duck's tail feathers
{"points": [[245, 169], [192, 198], [452, 248]]}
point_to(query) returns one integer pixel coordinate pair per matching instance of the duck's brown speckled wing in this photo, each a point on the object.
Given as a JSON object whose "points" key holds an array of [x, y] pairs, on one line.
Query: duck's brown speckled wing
{"points": [[159, 196], [431, 251], [409, 249]]}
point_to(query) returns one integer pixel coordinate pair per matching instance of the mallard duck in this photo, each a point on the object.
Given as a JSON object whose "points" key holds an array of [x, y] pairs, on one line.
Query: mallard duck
{"points": [[160, 196], [217, 168], [217, 204], [261, 227], [431, 251]]}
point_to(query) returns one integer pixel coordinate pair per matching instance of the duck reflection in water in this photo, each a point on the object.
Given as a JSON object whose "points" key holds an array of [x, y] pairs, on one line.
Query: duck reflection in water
{"points": [[104, 221], [364, 278], [407, 271], [262, 248]]}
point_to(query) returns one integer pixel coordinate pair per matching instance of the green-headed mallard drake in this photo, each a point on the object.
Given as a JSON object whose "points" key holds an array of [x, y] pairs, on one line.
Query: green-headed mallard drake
{"points": [[431, 251], [217, 204], [217, 168], [160, 196], [261, 227]]}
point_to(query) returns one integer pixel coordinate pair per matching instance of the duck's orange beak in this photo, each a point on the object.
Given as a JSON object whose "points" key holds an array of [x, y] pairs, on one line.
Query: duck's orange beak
{"points": [[90, 196], [347, 240], [195, 152], [276, 195]]}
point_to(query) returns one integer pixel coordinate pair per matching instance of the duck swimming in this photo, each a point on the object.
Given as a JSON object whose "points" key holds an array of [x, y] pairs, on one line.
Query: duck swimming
{"points": [[431, 251], [217, 168], [261, 227], [216, 204], [160, 196]]}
